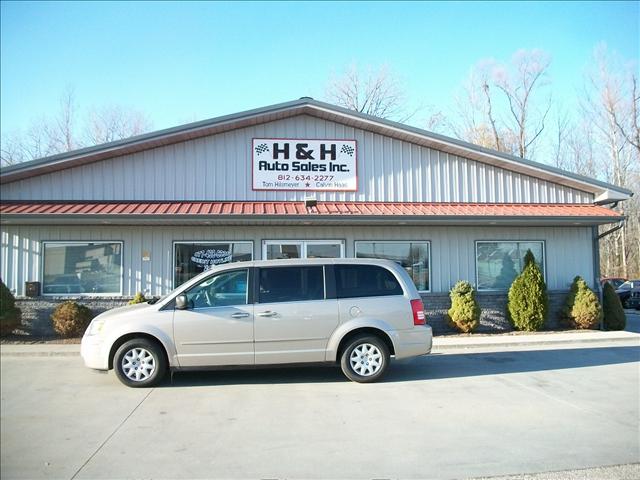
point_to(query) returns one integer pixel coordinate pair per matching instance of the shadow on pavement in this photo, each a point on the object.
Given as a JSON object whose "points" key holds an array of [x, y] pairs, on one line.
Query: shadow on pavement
{"points": [[431, 367]]}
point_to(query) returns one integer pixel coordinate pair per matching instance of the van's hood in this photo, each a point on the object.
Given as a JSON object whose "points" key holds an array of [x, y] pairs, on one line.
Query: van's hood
{"points": [[124, 311]]}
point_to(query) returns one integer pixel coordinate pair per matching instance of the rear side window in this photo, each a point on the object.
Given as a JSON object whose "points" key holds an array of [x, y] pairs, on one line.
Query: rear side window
{"points": [[291, 284], [365, 281]]}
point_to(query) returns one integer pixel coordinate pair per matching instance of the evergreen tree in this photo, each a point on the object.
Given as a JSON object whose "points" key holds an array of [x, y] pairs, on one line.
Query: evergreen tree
{"points": [[614, 317], [528, 299], [464, 314], [582, 308]]}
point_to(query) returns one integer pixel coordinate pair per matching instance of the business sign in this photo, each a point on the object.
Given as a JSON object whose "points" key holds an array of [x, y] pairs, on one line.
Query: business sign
{"points": [[210, 257], [316, 165]]}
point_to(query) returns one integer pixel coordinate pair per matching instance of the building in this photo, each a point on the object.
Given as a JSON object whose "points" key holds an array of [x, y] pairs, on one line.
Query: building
{"points": [[297, 179]]}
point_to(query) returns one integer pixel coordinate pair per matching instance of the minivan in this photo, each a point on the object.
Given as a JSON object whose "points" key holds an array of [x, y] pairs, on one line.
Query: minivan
{"points": [[358, 313]]}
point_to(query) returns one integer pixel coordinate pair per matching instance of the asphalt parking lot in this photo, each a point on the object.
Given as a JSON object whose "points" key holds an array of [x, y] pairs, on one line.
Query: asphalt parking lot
{"points": [[459, 414]]}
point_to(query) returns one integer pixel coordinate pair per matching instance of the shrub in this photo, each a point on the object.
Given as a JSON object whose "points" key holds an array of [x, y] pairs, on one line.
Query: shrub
{"points": [[581, 308], [614, 318], [9, 313], [527, 299], [464, 314], [70, 319], [138, 298]]}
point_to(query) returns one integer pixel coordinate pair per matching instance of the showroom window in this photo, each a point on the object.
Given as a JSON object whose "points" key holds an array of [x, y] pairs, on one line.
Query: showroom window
{"points": [[499, 263], [413, 256], [277, 249], [192, 258], [82, 268]]}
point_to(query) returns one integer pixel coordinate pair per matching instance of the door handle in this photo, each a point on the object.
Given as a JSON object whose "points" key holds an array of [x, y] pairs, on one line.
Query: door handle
{"points": [[239, 315], [268, 313]]}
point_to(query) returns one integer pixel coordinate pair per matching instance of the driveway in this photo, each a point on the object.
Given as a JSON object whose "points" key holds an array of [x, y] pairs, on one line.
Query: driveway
{"points": [[458, 414]]}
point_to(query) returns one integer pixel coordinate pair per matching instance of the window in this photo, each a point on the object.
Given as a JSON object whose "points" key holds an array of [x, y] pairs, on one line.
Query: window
{"points": [[498, 263], [413, 256], [276, 249], [224, 289], [82, 268], [190, 259], [291, 284], [365, 281]]}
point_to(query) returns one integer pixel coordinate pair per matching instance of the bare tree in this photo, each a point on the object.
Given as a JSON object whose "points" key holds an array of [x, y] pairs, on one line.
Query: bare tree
{"points": [[375, 92], [62, 132], [108, 124]]}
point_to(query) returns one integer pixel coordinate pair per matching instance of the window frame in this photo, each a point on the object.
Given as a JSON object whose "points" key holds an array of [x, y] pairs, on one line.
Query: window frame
{"points": [[475, 257], [303, 244], [204, 242], [428, 242], [44, 244]]}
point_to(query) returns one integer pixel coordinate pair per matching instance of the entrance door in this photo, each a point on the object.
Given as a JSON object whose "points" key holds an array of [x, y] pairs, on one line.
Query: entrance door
{"points": [[293, 321], [217, 328]]}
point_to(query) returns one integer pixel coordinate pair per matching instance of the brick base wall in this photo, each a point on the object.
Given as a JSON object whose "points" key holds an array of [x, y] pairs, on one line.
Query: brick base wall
{"points": [[36, 312], [493, 317]]}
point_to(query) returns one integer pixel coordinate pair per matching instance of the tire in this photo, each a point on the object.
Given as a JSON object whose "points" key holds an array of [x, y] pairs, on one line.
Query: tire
{"points": [[358, 359], [140, 363]]}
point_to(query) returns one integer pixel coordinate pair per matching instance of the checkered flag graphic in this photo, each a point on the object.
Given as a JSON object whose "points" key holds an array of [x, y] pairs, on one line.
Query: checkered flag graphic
{"points": [[263, 147], [348, 149]]}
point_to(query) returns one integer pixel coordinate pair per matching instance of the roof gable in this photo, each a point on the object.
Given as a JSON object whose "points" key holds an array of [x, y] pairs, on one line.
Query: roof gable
{"points": [[308, 106]]}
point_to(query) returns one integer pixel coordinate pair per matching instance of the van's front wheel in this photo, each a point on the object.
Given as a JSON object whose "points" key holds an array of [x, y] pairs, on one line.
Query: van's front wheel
{"points": [[140, 363], [365, 359]]}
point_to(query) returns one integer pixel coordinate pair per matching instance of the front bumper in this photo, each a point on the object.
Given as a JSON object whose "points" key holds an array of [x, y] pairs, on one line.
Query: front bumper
{"points": [[93, 354], [413, 342]]}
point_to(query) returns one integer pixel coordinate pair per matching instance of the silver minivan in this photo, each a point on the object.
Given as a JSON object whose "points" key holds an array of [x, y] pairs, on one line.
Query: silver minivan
{"points": [[355, 312]]}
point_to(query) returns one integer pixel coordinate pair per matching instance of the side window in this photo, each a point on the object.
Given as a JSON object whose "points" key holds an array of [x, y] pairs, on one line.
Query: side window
{"points": [[365, 281], [228, 288], [291, 284]]}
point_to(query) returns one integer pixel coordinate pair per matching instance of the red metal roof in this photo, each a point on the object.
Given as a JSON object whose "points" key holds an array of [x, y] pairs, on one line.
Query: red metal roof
{"points": [[298, 209]]}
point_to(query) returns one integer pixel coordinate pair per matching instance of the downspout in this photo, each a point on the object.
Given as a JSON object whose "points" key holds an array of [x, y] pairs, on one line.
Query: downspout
{"points": [[596, 258]]}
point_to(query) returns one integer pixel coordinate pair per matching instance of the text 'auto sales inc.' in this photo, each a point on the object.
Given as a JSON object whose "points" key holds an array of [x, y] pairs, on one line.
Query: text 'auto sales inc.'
{"points": [[302, 179]]}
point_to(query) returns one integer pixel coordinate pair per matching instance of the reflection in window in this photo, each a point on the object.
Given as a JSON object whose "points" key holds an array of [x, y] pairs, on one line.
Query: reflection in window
{"points": [[229, 288], [277, 251], [274, 249], [413, 256], [291, 284], [82, 268], [194, 258], [499, 263]]}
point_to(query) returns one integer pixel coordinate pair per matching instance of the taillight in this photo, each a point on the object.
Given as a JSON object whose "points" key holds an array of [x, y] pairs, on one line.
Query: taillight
{"points": [[419, 318]]}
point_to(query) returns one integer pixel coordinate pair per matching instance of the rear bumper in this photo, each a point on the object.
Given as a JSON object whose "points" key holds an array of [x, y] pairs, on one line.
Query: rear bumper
{"points": [[413, 342]]}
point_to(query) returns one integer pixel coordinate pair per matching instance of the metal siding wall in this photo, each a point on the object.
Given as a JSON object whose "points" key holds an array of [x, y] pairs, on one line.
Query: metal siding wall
{"points": [[219, 168], [568, 250]]}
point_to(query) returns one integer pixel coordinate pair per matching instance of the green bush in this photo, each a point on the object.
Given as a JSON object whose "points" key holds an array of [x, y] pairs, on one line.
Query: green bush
{"points": [[10, 315], [139, 298], [528, 299], [464, 314], [70, 319], [614, 317], [581, 308]]}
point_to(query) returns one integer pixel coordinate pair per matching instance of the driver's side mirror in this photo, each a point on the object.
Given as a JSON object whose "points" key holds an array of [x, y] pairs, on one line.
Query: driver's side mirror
{"points": [[182, 303]]}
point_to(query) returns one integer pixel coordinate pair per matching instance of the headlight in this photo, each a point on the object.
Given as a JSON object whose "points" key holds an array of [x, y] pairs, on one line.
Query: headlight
{"points": [[95, 327]]}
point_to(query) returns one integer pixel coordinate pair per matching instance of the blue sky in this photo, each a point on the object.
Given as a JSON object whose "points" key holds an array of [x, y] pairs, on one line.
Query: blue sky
{"points": [[180, 62]]}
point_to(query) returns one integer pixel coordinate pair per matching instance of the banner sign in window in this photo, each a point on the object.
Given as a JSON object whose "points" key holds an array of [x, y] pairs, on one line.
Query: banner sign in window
{"points": [[285, 164]]}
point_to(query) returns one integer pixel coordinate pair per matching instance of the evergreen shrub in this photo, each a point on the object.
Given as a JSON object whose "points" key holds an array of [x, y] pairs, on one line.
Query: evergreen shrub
{"points": [[10, 315], [581, 308], [614, 317], [138, 298], [528, 300], [464, 314], [70, 319]]}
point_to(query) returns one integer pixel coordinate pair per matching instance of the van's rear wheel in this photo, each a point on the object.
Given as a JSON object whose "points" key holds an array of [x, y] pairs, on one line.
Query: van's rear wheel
{"points": [[365, 359], [140, 363]]}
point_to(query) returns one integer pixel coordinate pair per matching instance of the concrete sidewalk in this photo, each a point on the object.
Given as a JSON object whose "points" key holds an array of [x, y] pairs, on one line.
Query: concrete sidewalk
{"points": [[446, 342]]}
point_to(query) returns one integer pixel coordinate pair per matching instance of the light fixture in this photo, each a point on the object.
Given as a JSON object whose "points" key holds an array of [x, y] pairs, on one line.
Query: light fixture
{"points": [[310, 202]]}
